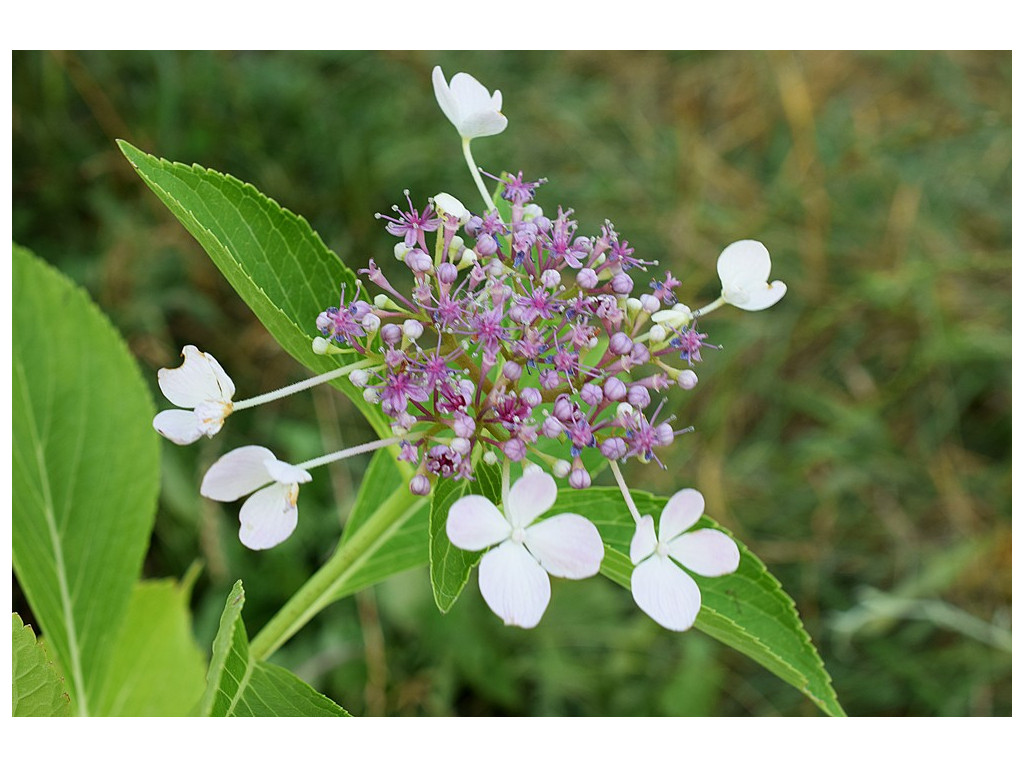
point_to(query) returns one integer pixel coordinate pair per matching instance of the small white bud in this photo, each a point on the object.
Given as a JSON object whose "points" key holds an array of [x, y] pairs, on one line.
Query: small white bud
{"points": [[460, 445], [456, 245], [412, 329], [550, 278], [561, 468], [371, 323], [633, 305], [359, 377], [371, 396], [593, 343], [623, 410], [320, 345], [469, 258], [658, 333], [532, 211], [380, 301], [687, 379], [490, 457], [401, 249]]}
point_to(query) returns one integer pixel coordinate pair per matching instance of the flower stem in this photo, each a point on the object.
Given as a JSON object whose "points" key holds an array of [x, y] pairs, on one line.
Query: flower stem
{"points": [[299, 386], [322, 588], [630, 504], [476, 174], [720, 301], [356, 450]]}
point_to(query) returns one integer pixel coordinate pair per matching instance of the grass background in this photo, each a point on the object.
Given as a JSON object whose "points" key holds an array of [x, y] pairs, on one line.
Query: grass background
{"points": [[856, 436]]}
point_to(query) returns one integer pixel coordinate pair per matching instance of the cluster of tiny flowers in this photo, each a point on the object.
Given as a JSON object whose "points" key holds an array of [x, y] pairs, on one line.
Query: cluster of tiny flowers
{"points": [[521, 341]]}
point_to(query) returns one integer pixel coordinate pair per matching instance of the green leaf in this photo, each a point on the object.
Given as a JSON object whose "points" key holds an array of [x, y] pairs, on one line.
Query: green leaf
{"points": [[747, 610], [37, 689], [159, 668], [450, 566], [86, 471], [239, 686], [273, 259], [401, 550]]}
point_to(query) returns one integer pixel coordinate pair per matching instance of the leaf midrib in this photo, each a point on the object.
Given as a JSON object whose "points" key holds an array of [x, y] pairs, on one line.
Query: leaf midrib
{"points": [[51, 525]]}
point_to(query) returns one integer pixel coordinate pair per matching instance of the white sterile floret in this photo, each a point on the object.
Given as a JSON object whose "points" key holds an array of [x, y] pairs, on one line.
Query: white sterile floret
{"points": [[521, 553], [452, 206], [271, 512], [199, 384], [662, 589], [677, 317], [468, 105], [743, 268]]}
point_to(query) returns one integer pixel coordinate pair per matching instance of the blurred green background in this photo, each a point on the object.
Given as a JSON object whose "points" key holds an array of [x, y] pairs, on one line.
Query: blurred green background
{"points": [[856, 436]]}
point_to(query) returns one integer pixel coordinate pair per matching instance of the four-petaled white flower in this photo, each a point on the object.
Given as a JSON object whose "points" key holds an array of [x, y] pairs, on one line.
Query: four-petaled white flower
{"points": [[743, 268], [514, 573], [472, 110], [201, 385], [662, 589], [269, 515]]}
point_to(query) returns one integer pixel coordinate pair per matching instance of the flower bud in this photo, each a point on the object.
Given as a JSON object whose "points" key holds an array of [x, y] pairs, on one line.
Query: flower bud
{"points": [[614, 448], [664, 433], [467, 388], [552, 427], [391, 333], [633, 305], [639, 397], [620, 344], [579, 478], [687, 379], [657, 334], [490, 457], [320, 345], [463, 425], [419, 485], [623, 411], [591, 394], [486, 245], [531, 396], [370, 322], [649, 303], [614, 389], [532, 211], [561, 468], [412, 329], [563, 409], [371, 396], [418, 261], [401, 250], [639, 354], [359, 377], [550, 278], [447, 273], [515, 449], [461, 445], [587, 278], [451, 206], [543, 223], [472, 227]]}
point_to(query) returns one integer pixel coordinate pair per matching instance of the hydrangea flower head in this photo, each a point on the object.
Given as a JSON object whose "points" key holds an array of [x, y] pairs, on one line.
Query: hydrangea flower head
{"points": [[514, 572], [471, 108], [201, 385], [662, 589]]}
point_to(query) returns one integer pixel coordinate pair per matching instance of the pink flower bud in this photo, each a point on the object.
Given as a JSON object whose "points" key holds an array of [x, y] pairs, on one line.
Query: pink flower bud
{"points": [[447, 273], [591, 394], [391, 333], [622, 284], [614, 389], [552, 427], [587, 278], [639, 397], [664, 433], [419, 485], [418, 261], [512, 371], [531, 396], [614, 448], [687, 379], [515, 449], [579, 478], [620, 344], [563, 408]]}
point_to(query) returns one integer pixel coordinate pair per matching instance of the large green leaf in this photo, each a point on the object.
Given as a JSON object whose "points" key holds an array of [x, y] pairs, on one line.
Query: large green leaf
{"points": [[274, 260], [450, 566], [37, 689], [159, 667], [239, 686], [86, 471], [747, 610]]}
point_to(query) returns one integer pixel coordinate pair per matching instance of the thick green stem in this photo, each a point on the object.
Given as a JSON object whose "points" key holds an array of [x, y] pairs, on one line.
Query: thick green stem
{"points": [[319, 592]]}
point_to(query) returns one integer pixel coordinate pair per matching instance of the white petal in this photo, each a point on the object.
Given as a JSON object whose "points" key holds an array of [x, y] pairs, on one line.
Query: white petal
{"points": [[474, 523], [194, 381], [444, 97], [237, 474], [269, 516], [481, 124], [644, 541], [224, 382], [682, 511], [566, 545], [514, 585], [755, 299], [744, 263], [706, 552], [470, 94], [531, 495], [283, 472], [666, 593], [181, 427]]}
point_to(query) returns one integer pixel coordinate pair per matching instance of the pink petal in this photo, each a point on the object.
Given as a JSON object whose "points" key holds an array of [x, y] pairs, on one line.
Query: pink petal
{"points": [[744, 263], [566, 545], [706, 552], [268, 517], [237, 474], [530, 496], [644, 541], [514, 585], [194, 381], [283, 472], [474, 523], [682, 511], [665, 593], [181, 427]]}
